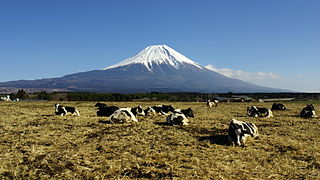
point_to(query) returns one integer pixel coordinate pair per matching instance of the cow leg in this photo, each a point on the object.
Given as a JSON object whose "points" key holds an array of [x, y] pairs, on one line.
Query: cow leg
{"points": [[238, 132], [243, 141]]}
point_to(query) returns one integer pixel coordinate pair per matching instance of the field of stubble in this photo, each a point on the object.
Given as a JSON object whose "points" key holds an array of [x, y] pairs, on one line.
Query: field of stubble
{"points": [[35, 144]]}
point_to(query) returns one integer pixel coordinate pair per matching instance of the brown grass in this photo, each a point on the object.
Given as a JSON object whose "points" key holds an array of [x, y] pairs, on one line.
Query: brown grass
{"points": [[35, 144]]}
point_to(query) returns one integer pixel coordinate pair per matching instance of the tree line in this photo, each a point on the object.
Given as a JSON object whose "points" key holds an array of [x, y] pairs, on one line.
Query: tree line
{"points": [[154, 96]]}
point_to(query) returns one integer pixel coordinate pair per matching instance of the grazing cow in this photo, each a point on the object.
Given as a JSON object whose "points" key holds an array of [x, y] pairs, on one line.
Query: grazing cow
{"points": [[239, 131], [254, 111], [149, 112], [123, 115], [278, 106], [64, 110], [177, 118], [212, 103], [163, 109], [104, 110], [308, 112]]}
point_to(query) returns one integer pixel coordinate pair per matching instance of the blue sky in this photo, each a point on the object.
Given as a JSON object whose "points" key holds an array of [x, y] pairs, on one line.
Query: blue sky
{"points": [[274, 43]]}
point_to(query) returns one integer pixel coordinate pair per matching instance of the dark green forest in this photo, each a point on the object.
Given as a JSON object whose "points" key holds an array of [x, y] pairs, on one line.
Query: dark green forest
{"points": [[159, 96]]}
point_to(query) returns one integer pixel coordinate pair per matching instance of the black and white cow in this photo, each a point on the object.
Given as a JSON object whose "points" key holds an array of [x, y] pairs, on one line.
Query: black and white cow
{"points": [[179, 117], [254, 111], [278, 106], [163, 109], [123, 115], [239, 131], [138, 111], [64, 110], [308, 112], [149, 111], [187, 112], [126, 115], [104, 110], [212, 103]]}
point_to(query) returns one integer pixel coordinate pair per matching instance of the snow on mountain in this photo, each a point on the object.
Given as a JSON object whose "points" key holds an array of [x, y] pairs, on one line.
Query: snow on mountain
{"points": [[156, 55]]}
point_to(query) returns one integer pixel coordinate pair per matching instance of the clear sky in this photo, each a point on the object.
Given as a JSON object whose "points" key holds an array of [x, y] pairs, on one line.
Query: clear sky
{"points": [[273, 43]]}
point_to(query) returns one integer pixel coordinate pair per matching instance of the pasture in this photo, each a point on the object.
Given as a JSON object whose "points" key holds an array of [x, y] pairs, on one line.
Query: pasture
{"points": [[36, 144]]}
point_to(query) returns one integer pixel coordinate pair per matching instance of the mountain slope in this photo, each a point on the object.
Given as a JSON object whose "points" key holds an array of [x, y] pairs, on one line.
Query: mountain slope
{"points": [[156, 68]]}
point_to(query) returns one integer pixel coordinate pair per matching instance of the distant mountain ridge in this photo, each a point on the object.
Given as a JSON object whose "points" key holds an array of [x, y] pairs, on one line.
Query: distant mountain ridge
{"points": [[155, 68]]}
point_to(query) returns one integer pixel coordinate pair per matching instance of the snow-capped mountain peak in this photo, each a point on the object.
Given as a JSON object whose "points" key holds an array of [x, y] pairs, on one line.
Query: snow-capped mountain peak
{"points": [[156, 55]]}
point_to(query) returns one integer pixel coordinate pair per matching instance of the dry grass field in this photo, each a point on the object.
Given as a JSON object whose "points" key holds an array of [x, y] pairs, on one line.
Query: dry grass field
{"points": [[36, 144]]}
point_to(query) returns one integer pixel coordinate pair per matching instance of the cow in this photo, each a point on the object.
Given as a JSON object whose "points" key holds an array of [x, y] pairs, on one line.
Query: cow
{"points": [[104, 110], [212, 103], [177, 118], [308, 112], [187, 112], [149, 111], [254, 111], [138, 111], [64, 110], [239, 131], [123, 115], [126, 115], [7, 98], [163, 109], [278, 106]]}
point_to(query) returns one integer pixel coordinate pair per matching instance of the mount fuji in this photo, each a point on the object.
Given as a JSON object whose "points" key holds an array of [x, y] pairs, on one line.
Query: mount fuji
{"points": [[155, 68]]}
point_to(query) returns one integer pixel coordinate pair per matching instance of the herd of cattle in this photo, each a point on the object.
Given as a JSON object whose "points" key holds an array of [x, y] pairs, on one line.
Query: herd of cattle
{"points": [[237, 132]]}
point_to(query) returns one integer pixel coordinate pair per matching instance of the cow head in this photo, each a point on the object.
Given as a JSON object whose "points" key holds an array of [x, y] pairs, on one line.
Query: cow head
{"points": [[253, 111], [100, 105], [310, 107], [57, 107], [138, 111], [308, 111], [188, 113], [167, 109]]}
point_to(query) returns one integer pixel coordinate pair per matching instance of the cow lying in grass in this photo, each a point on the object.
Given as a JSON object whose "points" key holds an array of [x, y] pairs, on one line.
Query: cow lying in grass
{"points": [[104, 110], [64, 110], [126, 115], [239, 131], [212, 103], [163, 109], [254, 111], [278, 106], [179, 117], [308, 112], [150, 111]]}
